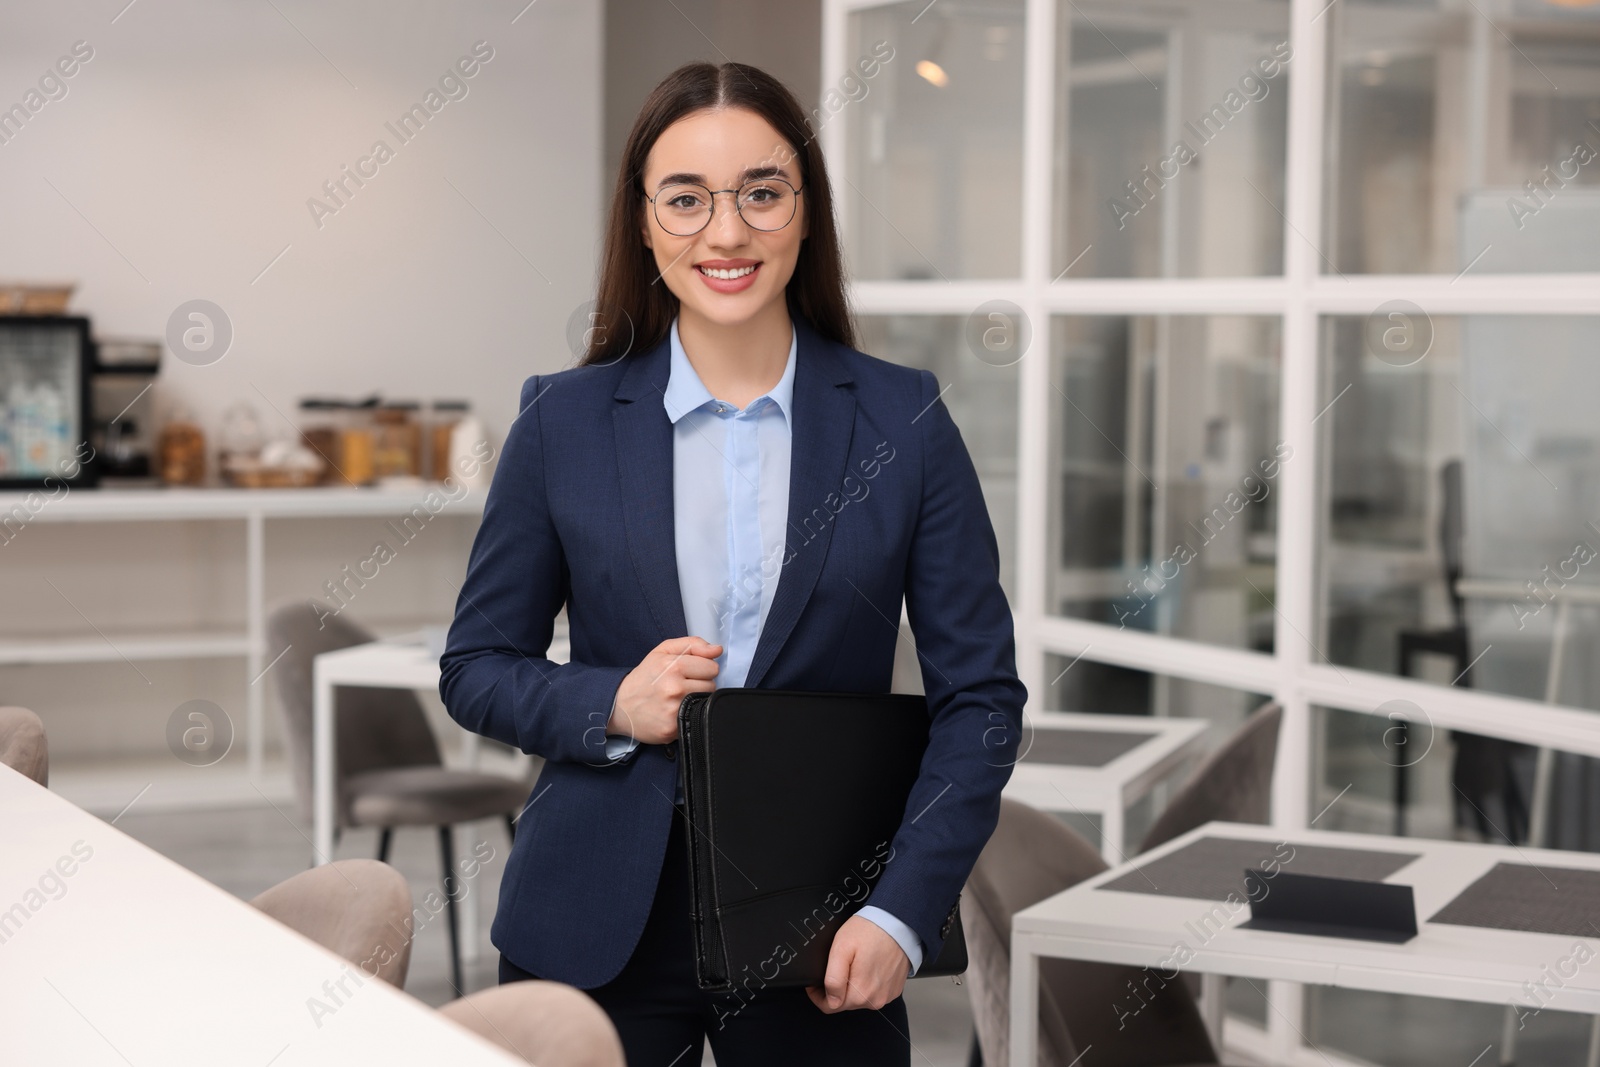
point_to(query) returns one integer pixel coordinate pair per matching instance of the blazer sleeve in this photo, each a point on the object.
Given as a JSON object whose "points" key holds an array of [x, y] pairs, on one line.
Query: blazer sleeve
{"points": [[962, 625], [494, 677]]}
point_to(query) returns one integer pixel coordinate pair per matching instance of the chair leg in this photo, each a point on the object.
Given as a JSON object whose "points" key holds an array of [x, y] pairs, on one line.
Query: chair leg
{"points": [[1402, 791], [385, 835], [447, 855], [316, 859], [511, 827]]}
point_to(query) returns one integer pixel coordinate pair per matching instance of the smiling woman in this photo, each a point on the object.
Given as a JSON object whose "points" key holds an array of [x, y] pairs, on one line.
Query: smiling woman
{"points": [[723, 425], [767, 222], [713, 137]]}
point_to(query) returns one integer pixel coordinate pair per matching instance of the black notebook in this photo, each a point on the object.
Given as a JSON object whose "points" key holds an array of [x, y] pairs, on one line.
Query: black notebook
{"points": [[794, 799]]}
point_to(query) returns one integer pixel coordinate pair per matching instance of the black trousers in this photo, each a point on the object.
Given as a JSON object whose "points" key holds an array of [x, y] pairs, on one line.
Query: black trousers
{"points": [[664, 1018]]}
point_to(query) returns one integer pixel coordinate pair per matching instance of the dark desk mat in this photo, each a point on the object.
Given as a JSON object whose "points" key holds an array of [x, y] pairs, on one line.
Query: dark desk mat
{"points": [[1212, 868], [1540, 900], [1080, 748]]}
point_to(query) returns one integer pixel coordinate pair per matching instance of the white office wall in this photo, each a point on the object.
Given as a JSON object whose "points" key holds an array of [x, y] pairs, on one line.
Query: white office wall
{"points": [[180, 161]]}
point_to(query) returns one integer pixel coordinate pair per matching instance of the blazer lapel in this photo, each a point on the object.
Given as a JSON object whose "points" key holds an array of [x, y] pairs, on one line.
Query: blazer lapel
{"points": [[644, 462], [824, 419]]}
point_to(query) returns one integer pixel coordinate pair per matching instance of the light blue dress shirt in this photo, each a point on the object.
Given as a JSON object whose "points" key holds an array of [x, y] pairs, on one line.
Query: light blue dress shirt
{"points": [[730, 484]]}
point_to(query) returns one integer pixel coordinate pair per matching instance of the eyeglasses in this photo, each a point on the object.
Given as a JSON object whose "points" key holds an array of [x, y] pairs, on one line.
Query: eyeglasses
{"points": [[763, 203]]}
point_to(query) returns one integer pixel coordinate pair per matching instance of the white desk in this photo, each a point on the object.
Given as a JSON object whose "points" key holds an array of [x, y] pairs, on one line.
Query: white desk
{"points": [[396, 665], [1107, 790], [1111, 789], [131, 958], [1454, 962]]}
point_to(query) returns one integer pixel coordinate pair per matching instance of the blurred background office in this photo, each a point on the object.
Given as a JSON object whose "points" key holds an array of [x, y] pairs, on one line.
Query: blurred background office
{"points": [[1271, 325]]}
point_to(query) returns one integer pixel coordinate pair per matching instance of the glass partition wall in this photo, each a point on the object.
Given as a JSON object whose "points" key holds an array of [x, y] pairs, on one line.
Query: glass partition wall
{"points": [[1274, 329]]}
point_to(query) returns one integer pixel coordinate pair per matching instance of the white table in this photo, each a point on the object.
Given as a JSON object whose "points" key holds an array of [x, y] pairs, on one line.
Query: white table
{"points": [[1454, 962], [390, 664], [1108, 790], [1111, 789], [134, 959]]}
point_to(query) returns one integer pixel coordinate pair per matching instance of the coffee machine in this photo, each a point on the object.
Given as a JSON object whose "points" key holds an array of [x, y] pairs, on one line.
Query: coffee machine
{"points": [[123, 430]]}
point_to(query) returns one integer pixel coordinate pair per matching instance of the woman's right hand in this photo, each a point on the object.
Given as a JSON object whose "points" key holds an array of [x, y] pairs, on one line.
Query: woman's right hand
{"points": [[648, 698]]}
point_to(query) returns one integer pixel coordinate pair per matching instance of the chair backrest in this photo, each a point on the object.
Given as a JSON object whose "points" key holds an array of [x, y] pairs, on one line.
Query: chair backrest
{"points": [[22, 744], [543, 1022], [375, 728], [1033, 855], [1234, 784], [1451, 533], [358, 908]]}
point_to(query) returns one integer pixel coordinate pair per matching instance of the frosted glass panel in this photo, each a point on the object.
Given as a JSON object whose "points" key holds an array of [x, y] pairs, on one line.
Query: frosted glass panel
{"points": [[1165, 464], [1510, 401], [934, 183], [1171, 121], [1461, 134]]}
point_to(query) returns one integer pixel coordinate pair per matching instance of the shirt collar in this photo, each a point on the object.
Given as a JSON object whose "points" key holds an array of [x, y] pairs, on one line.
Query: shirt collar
{"points": [[685, 391]]}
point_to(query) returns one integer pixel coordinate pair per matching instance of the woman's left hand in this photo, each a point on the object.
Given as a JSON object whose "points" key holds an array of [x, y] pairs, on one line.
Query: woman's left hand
{"points": [[866, 968]]}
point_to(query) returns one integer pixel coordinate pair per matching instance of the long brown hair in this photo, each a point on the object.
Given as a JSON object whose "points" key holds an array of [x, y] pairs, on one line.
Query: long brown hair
{"points": [[630, 290]]}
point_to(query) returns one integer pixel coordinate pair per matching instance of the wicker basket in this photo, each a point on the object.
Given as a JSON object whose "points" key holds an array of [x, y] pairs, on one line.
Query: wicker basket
{"points": [[25, 298], [255, 476]]}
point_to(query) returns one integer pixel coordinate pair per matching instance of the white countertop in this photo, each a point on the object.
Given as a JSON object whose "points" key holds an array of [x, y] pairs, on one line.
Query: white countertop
{"points": [[179, 502]]}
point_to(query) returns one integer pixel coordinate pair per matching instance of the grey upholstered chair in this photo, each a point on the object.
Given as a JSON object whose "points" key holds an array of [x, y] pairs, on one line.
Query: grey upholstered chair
{"points": [[1234, 784], [358, 908], [547, 1023], [389, 771], [1033, 855], [22, 744]]}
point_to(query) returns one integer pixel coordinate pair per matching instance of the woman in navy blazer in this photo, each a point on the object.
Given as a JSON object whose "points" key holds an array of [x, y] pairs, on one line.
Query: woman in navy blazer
{"points": [[883, 503]]}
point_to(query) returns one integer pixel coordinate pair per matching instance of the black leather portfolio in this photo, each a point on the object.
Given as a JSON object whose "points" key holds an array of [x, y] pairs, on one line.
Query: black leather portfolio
{"points": [[794, 799]]}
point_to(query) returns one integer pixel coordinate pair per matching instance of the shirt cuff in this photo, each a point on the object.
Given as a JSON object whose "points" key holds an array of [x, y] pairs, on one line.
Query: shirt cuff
{"points": [[903, 934], [619, 745]]}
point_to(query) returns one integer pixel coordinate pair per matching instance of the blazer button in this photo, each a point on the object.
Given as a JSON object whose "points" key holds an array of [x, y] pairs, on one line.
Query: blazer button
{"points": [[672, 750]]}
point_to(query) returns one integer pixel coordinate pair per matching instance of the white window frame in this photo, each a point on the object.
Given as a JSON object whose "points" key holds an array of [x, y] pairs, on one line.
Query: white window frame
{"points": [[1304, 294]]}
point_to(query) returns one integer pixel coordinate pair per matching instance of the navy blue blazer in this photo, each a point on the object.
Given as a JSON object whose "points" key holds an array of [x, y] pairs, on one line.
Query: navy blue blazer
{"points": [[883, 503]]}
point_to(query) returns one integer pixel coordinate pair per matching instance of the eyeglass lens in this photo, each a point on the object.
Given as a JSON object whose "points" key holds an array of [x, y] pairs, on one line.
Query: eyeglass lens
{"points": [[764, 204]]}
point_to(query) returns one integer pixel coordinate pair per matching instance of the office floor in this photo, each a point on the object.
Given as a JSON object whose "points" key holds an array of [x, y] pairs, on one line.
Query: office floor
{"points": [[246, 849]]}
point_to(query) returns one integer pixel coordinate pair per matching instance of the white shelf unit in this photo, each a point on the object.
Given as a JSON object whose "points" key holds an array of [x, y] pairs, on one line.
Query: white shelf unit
{"points": [[252, 507], [75, 648]]}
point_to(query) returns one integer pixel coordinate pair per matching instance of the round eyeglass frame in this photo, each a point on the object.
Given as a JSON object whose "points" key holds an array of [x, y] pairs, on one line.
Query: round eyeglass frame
{"points": [[737, 207]]}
